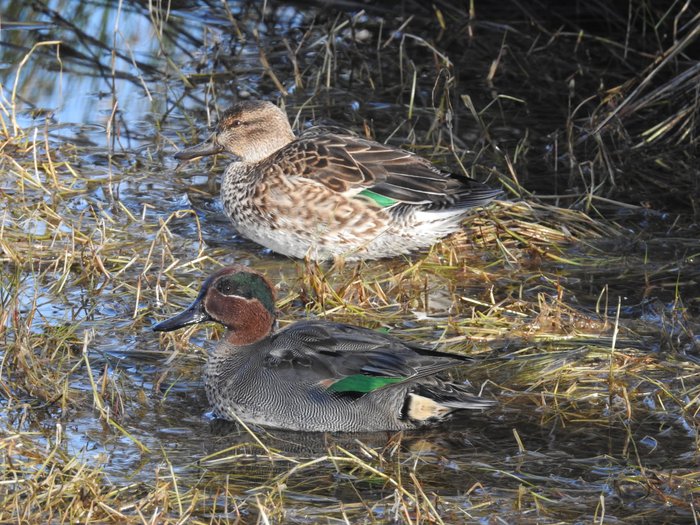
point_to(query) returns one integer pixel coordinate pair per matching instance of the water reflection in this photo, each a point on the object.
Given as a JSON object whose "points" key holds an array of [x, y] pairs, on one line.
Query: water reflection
{"points": [[112, 67], [100, 57], [162, 74]]}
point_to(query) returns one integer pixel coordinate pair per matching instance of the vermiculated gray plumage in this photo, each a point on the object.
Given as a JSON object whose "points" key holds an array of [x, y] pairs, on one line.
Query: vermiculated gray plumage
{"points": [[316, 375]]}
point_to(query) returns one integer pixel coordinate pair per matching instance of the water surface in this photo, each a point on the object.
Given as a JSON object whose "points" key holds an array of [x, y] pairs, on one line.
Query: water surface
{"points": [[589, 344]]}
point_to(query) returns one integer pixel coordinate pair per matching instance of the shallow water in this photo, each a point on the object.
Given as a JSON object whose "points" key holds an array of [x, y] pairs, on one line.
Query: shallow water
{"points": [[102, 235]]}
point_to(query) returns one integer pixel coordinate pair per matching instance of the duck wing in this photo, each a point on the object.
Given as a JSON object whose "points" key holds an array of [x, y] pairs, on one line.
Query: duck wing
{"points": [[385, 174], [351, 359]]}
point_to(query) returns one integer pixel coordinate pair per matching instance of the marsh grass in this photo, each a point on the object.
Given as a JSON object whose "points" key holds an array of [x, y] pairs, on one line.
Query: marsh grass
{"points": [[599, 395]]}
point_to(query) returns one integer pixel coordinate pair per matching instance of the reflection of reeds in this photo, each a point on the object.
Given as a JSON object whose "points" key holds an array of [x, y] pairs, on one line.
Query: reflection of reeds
{"points": [[598, 406]]}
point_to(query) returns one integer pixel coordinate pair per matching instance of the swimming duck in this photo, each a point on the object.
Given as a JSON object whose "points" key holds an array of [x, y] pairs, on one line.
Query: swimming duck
{"points": [[315, 375], [324, 195]]}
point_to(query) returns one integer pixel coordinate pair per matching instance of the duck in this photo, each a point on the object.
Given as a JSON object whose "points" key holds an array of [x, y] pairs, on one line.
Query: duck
{"points": [[315, 375], [326, 195]]}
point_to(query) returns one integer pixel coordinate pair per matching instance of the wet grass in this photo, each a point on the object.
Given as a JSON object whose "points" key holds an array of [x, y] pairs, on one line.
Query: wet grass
{"points": [[577, 294]]}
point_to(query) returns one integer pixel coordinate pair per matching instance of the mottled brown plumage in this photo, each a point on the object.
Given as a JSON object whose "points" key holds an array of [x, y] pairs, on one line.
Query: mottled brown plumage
{"points": [[324, 195]]}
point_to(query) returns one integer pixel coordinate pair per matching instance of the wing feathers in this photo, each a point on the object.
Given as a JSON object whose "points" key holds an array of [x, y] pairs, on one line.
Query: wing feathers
{"points": [[348, 164], [322, 351]]}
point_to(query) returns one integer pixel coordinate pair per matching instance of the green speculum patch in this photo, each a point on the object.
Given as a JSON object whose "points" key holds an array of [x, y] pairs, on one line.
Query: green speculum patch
{"points": [[578, 304], [381, 200], [362, 383]]}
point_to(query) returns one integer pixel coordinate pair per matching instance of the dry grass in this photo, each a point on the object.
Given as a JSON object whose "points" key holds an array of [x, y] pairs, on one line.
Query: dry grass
{"points": [[599, 396]]}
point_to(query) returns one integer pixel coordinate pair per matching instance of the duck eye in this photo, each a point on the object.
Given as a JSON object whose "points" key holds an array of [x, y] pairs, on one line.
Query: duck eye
{"points": [[225, 287], [236, 123]]}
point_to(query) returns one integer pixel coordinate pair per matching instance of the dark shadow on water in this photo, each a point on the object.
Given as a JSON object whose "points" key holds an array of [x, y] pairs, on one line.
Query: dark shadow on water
{"points": [[485, 436], [156, 94]]}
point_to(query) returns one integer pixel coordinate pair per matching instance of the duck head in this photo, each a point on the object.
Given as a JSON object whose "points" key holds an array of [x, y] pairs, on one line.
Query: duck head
{"points": [[237, 297], [250, 130]]}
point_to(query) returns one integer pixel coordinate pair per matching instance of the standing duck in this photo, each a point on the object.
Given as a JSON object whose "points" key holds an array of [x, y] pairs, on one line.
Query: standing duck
{"points": [[325, 195], [315, 375]]}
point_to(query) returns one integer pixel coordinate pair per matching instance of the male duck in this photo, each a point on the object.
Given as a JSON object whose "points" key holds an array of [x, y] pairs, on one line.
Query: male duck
{"points": [[323, 195], [315, 375]]}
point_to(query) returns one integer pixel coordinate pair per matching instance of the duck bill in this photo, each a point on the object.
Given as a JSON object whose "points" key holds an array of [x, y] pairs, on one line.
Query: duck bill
{"points": [[206, 148], [194, 314]]}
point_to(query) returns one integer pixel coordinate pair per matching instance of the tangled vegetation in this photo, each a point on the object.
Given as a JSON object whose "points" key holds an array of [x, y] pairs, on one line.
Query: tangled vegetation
{"points": [[577, 294]]}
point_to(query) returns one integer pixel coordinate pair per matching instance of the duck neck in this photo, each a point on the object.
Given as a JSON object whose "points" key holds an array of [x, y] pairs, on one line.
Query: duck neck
{"points": [[273, 142], [250, 326]]}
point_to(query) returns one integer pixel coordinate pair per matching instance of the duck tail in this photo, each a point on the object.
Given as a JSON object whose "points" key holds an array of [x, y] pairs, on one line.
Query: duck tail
{"points": [[448, 214], [427, 404]]}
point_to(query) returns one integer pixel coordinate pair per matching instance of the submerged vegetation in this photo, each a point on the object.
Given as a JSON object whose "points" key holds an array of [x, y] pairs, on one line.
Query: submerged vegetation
{"points": [[577, 294]]}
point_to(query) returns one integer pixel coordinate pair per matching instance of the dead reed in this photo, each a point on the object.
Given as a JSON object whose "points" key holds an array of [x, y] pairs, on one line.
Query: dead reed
{"points": [[582, 317]]}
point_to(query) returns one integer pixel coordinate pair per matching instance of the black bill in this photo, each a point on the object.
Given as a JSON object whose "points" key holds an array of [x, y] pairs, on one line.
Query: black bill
{"points": [[206, 148], [194, 314]]}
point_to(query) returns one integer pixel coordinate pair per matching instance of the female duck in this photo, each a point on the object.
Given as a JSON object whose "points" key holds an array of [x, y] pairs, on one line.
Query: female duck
{"points": [[315, 375], [324, 195]]}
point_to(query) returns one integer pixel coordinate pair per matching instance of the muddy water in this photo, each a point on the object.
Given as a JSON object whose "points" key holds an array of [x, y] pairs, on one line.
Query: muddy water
{"points": [[128, 86]]}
